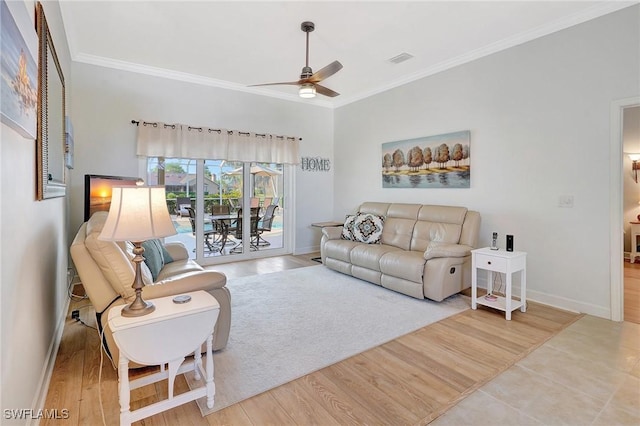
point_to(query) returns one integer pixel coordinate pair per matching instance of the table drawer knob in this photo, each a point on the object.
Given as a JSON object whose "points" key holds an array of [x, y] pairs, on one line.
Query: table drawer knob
{"points": [[489, 262]]}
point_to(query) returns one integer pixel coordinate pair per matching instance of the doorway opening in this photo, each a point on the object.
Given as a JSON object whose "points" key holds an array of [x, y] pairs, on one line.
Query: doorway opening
{"points": [[616, 206]]}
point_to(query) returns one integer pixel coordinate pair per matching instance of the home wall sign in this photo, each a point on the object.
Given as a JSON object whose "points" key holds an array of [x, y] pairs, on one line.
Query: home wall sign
{"points": [[315, 164], [440, 161]]}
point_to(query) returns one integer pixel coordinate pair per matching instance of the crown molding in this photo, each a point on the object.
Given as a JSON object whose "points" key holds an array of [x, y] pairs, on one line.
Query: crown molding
{"points": [[191, 78]]}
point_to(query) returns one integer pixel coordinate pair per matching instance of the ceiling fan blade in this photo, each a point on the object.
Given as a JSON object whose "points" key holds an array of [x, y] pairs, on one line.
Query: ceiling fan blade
{"points": [[326, 91], [326, 72], [294, 83]]}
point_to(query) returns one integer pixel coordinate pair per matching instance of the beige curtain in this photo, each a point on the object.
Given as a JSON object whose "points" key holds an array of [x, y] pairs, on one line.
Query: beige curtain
{"points": [[182, 141]]}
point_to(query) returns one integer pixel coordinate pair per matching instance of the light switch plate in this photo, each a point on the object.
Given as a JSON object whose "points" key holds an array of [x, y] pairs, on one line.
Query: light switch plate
{"points": [[565, 201]]}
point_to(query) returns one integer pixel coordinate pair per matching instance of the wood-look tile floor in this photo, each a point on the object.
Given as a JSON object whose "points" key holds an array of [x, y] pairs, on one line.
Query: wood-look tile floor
{"points": [[486, 365], [632, 292]]}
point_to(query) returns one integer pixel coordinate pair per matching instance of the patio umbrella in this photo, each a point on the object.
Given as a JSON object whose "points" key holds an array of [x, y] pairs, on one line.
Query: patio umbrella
{"points": [[257, 170]]}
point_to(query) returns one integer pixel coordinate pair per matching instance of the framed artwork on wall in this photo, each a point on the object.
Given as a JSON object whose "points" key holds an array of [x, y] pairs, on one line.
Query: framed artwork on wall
{"points": [[18, 65], [439, 161]]}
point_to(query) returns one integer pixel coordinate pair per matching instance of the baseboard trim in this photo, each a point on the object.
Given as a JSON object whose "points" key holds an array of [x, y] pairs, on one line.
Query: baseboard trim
{"points": [[40, 398], [557, 302], [306, 250], [569, 304]]}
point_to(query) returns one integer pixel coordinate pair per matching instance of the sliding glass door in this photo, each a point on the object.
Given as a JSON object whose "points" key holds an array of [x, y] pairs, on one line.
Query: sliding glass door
{"points": [[223, 210]]}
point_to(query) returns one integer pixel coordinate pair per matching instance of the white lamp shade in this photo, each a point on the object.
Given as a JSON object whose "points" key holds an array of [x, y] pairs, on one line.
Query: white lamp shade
{"points": [[137, 213], [634, 157], [307, 91]]}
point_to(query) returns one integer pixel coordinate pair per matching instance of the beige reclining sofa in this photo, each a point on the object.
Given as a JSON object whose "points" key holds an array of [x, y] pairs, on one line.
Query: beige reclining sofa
{"points": [[107, 272], [423, 251]]}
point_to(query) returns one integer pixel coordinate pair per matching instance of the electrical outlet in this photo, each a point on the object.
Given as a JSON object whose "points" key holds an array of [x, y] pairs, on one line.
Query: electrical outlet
{"points": [[75, 314]]}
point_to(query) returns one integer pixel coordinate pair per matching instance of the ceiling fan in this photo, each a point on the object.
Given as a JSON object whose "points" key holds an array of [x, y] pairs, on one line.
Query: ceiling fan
{"points": [[309, 80]]}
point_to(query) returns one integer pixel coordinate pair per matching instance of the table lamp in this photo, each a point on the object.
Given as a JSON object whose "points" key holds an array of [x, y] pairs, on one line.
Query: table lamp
{"points": [[137, 214]]}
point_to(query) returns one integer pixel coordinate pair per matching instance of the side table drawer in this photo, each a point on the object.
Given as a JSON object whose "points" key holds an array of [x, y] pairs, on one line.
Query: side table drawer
{"points": [[491, 263]]}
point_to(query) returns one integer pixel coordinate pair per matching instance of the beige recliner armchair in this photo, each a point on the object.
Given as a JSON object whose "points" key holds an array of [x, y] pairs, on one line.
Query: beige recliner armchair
{"points": [[107, 272]]}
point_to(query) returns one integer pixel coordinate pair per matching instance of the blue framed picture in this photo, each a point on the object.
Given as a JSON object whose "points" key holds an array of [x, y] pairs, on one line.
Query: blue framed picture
{"points": [[18, 66], [440, 161]]}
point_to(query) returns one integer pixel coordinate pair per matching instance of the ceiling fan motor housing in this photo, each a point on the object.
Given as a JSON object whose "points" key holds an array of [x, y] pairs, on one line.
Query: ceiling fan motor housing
{"points": [[306, 73]]}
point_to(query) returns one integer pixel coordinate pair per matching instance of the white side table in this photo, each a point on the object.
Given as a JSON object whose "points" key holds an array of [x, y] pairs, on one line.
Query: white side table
{"points": [[165, 337], [506, 262], [635, 232]]}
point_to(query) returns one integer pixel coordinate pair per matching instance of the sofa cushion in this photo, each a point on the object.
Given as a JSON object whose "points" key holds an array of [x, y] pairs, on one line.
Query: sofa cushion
{"points": [[443, 214], [367, 228], [437, 249], [112, 261], [127, 247], [347, 228], [425, 233], [368, 256], [408, 265], [340, 249], [442, 224], [178, 267], [155, 256], [397, 232]]}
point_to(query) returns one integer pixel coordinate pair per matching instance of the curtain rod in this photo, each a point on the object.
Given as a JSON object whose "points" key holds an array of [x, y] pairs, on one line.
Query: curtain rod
{"points": [[137, 123]]}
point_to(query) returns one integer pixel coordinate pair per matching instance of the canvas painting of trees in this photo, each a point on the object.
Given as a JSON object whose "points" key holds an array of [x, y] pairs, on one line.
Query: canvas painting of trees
{"points": [[440, 161]]}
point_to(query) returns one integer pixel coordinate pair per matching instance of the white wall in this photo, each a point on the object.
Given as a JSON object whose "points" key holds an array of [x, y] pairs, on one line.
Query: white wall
{"points": [[33, 256], [106, 100], [631, 144], [539, 120]]}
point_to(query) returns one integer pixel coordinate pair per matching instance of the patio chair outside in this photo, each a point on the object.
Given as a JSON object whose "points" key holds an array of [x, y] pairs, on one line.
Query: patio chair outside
{"points": [[237, 229], [182, 204], [209, 234], [265, 225]]}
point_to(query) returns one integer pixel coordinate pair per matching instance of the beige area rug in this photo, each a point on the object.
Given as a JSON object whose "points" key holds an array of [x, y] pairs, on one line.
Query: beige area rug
{"points": [[287, 324]]}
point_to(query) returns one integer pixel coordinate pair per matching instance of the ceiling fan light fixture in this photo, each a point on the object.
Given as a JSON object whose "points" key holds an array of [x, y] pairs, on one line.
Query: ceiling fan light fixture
{"points": [[307, 91], [309, 81]]}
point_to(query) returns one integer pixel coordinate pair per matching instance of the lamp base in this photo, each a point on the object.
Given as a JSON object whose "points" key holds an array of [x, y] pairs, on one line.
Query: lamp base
{"points": [[139, 309]]}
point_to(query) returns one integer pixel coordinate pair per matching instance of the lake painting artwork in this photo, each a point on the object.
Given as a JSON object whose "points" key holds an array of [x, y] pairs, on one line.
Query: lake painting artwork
{"points": [[19, 71], [440, 161]]}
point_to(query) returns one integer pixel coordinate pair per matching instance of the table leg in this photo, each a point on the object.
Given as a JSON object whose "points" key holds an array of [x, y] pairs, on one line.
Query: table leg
{"points": [[197, 363], [211, 387], [523, 289], [123, 388], [173, 370], [474, 286], [508, 298]]}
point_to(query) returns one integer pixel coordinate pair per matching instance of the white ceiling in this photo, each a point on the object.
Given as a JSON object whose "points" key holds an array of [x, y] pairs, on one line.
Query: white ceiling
{"points": [[237, 43]]}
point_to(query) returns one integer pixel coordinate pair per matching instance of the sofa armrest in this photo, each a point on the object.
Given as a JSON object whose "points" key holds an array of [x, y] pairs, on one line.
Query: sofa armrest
{"points": [[436, 249], [184, 283], [332, 232], [177, 250]]}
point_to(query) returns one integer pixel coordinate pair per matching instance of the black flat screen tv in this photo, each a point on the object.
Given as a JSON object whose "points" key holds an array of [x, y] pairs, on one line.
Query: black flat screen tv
{"points": [[97, 192]]}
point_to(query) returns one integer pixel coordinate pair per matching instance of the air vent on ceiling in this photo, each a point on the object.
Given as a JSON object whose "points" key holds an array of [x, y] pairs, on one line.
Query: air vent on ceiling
{"points": [[404, 56]]}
